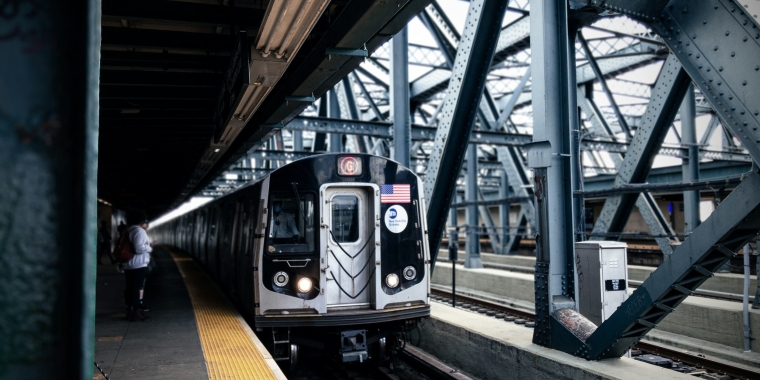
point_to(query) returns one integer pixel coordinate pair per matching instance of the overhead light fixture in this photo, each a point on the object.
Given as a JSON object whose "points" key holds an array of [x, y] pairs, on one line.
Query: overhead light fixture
{"points": [[286, 25], [253, 71]]}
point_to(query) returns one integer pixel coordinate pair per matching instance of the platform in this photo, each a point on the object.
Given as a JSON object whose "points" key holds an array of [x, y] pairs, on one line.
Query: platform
{"points": [[194, 333], [490, 348], [711, 326]]}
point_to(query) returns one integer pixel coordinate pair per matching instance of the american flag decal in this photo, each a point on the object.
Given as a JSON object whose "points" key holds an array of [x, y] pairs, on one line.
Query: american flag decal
{"points": [[395, 194]]}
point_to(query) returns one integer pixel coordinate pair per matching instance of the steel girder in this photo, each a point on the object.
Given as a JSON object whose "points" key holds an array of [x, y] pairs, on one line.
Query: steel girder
{"points": [[472, 242], [517, 183], [709, 131], [513, 38], [485, 215], [734, 223], [474, 55], [690, 166], [402, 124], [496, 138], [720, 49], [603, 83], [550, 156], [667, 95], [608, 66], [652, 215]]}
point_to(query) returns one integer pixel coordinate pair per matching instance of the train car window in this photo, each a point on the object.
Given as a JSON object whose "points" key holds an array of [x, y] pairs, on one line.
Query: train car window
{"points": [[345, 218], [291, 229]]}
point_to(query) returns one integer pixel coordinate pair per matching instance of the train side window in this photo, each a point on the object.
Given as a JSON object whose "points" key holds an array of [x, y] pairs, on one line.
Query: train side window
{"points": [[345, 218], [291, 229]]}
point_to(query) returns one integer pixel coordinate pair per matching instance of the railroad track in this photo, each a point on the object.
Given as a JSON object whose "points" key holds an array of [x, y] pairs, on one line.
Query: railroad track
{"points": [[428, 366], [698, 362], [411, 363]]}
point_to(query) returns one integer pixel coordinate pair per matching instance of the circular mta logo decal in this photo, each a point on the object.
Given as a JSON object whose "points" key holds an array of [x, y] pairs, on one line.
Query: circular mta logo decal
{"points": [[396, 219]]}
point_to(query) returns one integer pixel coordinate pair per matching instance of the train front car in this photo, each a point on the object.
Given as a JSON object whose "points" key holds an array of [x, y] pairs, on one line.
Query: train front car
{"points": [[342, 256]]}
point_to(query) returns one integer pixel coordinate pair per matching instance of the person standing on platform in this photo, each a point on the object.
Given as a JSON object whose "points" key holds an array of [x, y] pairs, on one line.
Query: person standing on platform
{"points": [[284, 226], [137, 268], [104, 242], [151, 266]]}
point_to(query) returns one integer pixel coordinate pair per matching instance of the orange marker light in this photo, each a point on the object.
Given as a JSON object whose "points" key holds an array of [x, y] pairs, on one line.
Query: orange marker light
{"points": [[349, 166]]}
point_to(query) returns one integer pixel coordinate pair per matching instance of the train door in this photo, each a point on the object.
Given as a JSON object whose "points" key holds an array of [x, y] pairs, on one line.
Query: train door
{"points": [[349, 215]]}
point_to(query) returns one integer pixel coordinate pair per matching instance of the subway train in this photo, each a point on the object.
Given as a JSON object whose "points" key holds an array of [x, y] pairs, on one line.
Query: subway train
{"points": [[328, 253]]}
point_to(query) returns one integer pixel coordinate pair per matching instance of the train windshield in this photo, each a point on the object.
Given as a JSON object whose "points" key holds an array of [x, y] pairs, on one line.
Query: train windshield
{"points": [[291, 228]]}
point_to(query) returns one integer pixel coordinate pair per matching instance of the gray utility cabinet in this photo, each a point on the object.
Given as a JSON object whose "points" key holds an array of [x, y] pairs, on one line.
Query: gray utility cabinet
{"points": [[602, 278]]}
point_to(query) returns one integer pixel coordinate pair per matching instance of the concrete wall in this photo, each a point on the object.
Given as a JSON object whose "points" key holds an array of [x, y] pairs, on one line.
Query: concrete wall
{"points": [[488, 348]]}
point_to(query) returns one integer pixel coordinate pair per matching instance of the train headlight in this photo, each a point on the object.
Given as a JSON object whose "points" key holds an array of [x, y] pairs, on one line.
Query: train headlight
{"points": [[304, 285], [391, 280], [281, 279], [410, 273]]}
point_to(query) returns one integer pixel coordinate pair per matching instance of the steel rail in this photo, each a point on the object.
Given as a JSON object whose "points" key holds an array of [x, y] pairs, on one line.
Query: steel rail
{"points": [[430, 366], [697, 361]]}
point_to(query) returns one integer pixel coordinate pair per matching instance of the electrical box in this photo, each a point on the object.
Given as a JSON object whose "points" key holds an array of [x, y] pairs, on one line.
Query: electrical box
{"points": [[602, 278]]}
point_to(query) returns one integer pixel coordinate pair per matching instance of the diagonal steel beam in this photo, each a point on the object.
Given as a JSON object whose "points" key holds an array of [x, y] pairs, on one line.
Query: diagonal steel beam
{"points": [[603, 82], [720, 51], [485, 216], [652, 215], [667, 95], [471, 65], [506, 111], [709, 131], [733, 223], [372, 104]]}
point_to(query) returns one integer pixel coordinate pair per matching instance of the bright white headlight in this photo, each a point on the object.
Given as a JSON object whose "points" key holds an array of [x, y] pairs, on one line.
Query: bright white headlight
{"points": [[281, 279], [410, 273], [304, 285], [391, 280]]}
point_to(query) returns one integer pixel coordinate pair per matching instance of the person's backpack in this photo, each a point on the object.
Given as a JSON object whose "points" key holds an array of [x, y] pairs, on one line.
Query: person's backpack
{"points": [[124, 250]]}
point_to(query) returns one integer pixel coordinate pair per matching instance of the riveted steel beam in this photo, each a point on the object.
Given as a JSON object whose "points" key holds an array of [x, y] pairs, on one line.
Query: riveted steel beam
{"points": [[646, 10], [733, 223], [720, 50], [474, 55], [550, 156], [667, 95]]}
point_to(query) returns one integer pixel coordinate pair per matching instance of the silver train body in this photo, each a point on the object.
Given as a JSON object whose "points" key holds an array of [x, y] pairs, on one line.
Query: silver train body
{"points": [[329, 252]]}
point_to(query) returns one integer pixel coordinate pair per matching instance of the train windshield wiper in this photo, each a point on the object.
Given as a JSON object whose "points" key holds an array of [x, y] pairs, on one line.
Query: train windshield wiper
{"points": [[298, 201]]}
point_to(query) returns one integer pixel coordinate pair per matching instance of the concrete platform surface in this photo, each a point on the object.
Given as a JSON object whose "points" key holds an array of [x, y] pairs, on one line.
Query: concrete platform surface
{"points": [[166, 347], [489, 348], [710, 320], [194, 332]]}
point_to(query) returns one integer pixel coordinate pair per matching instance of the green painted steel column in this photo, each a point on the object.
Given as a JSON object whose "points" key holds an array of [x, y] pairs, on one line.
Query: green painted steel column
{"points": [[48, 187]]}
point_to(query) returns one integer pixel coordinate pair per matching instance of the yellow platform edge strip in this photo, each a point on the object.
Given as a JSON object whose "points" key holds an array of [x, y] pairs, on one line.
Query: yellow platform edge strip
{"points": [[230, 347]]}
